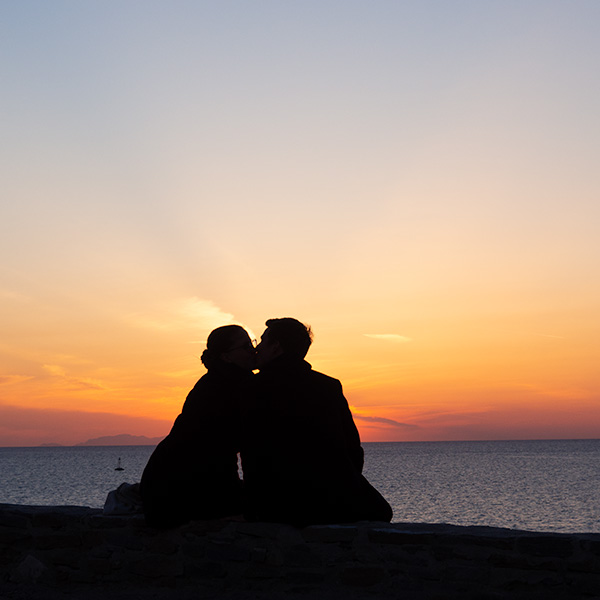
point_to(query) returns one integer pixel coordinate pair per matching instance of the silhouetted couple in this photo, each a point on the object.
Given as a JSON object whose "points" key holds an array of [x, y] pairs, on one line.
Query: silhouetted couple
{"points": [[300, 450]]}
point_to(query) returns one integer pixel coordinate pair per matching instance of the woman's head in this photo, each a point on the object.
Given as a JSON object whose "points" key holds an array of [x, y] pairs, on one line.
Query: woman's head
{"points": [[229, 344]]}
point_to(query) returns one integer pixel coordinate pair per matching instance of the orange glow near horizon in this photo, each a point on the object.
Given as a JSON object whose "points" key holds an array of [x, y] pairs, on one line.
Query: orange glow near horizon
{"points": [[426, 386]]}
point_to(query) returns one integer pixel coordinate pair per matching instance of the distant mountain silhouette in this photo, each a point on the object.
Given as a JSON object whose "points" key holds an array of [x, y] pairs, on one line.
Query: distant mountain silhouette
{"points": [[124, 439]]}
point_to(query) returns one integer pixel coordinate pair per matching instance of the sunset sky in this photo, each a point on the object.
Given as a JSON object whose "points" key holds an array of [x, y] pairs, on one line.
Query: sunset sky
{"points": [[419, 181]]}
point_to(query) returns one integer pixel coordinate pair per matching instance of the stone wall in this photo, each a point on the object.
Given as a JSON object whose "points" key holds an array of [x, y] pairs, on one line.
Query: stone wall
{"points": [[76, 552]]}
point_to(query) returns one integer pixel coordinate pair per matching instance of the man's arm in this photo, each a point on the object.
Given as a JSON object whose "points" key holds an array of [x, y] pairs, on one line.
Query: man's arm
{"points": [[350, 433]]}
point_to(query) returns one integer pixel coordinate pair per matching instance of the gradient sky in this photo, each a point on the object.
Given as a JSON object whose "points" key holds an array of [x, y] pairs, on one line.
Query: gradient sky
{"points": [[418, 181]]}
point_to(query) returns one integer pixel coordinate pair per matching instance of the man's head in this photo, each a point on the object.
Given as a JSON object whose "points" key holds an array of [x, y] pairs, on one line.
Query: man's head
{"points": [[283, 336]]}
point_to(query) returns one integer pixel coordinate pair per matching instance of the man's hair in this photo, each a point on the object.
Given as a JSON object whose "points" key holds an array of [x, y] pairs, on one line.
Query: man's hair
{"points": [[294, 337]]}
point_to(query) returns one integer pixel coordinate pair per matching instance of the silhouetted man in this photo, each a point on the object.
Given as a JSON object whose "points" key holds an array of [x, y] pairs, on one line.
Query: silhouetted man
{"points": [[302, 458]]}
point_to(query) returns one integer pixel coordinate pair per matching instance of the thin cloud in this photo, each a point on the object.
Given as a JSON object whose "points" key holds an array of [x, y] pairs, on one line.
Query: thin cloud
{"points": [[184, 314], [73, 383], [389, 337], [10, 379], [384, 421], [54, 370], [204, 311]]}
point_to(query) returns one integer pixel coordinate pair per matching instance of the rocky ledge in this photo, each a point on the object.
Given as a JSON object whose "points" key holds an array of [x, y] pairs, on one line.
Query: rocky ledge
{"points": [[76, 552]]}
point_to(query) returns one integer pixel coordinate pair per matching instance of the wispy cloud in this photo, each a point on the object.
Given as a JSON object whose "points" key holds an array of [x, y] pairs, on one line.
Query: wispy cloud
{"points": [[55, 370], [203, 311], [389, 337], [10, 379], [77, 383], [384, 421], [184, 314]]}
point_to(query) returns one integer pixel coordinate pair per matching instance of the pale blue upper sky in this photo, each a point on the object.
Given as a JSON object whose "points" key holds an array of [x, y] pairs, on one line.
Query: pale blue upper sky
{"points": [[205, 130]]}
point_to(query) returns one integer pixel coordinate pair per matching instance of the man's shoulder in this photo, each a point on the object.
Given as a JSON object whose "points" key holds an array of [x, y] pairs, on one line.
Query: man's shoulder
{"points": [[297, 373], [322, 379]]}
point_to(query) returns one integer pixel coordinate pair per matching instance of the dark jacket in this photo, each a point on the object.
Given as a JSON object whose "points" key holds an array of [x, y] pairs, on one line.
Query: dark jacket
{"points": [[301, 453], [193, 472]]}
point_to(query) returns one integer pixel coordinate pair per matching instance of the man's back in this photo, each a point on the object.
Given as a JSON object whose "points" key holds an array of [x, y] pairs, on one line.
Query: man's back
{"points": [[302, 457]]}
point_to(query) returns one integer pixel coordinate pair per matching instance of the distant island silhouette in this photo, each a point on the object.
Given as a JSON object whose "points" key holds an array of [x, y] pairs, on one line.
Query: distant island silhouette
{"points": [[124, 439]]}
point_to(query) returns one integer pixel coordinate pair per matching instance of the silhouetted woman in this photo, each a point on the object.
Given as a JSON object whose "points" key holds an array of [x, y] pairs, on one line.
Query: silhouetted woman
{"points": [[193, 473]]}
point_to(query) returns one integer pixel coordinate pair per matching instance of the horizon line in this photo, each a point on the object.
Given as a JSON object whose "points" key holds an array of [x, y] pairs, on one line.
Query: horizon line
{"points": [[49, 446]]}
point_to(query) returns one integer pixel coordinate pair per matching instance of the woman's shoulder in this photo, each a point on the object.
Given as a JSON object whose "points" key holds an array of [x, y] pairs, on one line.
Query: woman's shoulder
{"points": [[214, 393], [219, 380], [206, 386]]}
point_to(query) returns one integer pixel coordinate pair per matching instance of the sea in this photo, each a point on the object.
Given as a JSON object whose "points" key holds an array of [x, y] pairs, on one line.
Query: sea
{"points": [[533, 485]]}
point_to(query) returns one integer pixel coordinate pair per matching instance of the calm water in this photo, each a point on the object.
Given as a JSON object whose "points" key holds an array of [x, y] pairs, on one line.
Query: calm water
{"points": [[534, 485]]}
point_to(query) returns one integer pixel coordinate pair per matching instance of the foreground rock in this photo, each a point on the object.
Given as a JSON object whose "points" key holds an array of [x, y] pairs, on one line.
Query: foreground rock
{"points": [[76, 552]]}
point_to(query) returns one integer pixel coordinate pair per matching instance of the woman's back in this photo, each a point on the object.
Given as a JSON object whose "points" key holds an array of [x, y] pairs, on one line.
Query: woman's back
{"points": [[193, 472]]}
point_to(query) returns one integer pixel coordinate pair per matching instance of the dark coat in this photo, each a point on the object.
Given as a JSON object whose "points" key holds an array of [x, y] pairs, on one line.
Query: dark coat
{"points": [[193, 472], [301, 454]]}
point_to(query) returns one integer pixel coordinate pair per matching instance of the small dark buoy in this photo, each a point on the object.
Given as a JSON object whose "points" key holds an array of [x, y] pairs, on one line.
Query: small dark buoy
{"points": [[119, 467]]}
